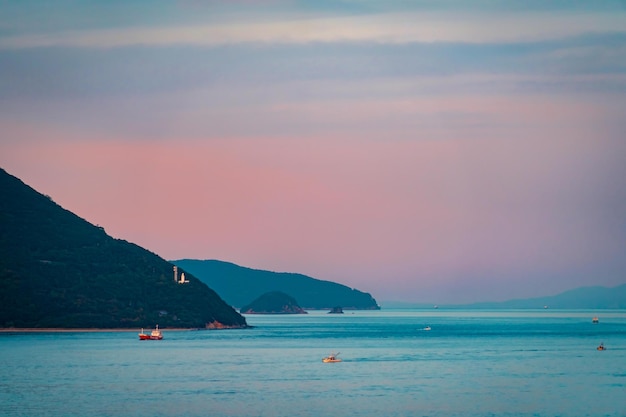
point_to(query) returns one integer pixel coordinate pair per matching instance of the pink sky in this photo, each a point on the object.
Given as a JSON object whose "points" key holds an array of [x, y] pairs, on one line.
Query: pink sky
{"points": [[430, 172], [416, 215]]}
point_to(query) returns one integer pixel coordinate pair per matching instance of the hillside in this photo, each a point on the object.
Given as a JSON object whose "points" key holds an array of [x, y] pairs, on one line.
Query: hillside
{"points": [[238, 286], [58, 270]]}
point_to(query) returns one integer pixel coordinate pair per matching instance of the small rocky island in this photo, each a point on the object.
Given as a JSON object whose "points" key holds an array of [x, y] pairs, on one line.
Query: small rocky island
{"points": [[275, 302]]}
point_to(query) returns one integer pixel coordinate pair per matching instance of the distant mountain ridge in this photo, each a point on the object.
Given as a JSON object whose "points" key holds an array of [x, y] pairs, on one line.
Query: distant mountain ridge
{"points": [[593, 297], [239, 286], [58, 270]]}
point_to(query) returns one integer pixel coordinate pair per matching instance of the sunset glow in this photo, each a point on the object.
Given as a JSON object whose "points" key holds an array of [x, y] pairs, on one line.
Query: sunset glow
{"points": [[427, 152]]}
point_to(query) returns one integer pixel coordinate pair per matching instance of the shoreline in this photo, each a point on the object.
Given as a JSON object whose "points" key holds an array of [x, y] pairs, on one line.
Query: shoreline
{"points": [[83, 330]]}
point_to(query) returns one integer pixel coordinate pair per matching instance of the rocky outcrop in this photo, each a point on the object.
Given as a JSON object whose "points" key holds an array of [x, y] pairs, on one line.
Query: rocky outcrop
{"points": [[216, 325]]}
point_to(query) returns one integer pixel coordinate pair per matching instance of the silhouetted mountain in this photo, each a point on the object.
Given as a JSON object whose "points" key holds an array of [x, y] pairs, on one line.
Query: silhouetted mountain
{"points": [[275, 302], [238, 286], [58, 270]]}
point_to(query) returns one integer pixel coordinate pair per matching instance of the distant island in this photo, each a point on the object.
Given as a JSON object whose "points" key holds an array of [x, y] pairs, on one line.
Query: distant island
{"points": [[239, 285], [59, 271], [275, 302]]}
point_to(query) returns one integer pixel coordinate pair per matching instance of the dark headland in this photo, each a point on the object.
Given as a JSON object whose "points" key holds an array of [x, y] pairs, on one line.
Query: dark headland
{"points": [[58, 271]]}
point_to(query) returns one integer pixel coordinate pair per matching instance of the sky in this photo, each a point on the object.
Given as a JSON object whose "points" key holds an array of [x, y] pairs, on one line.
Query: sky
{"points": [[423, 151]]}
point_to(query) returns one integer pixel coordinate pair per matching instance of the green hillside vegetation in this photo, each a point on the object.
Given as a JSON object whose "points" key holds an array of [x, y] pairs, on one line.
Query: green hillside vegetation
{"points": [[239, 285], [274, 302], [58, 270]]}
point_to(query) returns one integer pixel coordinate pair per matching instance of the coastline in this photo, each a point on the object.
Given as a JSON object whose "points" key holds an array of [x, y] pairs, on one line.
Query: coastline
{"points": [[210, 326], [81, 330]]}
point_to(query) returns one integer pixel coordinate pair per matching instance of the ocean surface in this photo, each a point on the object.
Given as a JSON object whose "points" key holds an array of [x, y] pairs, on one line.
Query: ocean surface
{"points": [[471, 363]]}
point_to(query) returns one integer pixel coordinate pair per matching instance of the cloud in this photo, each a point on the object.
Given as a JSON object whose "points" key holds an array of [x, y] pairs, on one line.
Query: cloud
{"points": [[390, 28]]}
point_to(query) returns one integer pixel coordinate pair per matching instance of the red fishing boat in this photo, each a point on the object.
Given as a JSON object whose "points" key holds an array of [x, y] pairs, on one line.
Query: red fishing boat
{"points": [[154, 334]]}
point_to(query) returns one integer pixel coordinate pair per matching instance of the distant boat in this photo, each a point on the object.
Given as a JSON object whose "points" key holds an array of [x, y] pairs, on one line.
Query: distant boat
{"points": [[594, 320], [333, 357], [601, 347], [427, 328], [154, 334]]}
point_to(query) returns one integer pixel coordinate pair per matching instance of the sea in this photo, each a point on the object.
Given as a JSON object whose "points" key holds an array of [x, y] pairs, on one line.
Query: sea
{"points": [[434, 362]]}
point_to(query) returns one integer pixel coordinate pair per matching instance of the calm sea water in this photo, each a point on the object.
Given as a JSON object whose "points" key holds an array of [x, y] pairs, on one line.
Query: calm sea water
{"points": [[471, 363]]}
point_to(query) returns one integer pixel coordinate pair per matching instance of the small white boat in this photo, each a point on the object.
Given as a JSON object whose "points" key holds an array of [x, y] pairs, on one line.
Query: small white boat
{"points": [[333, 357], [427, 328]]}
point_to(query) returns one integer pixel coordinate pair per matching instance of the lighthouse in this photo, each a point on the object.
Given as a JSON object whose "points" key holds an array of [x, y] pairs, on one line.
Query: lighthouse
{"points": [[182, 279]]}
